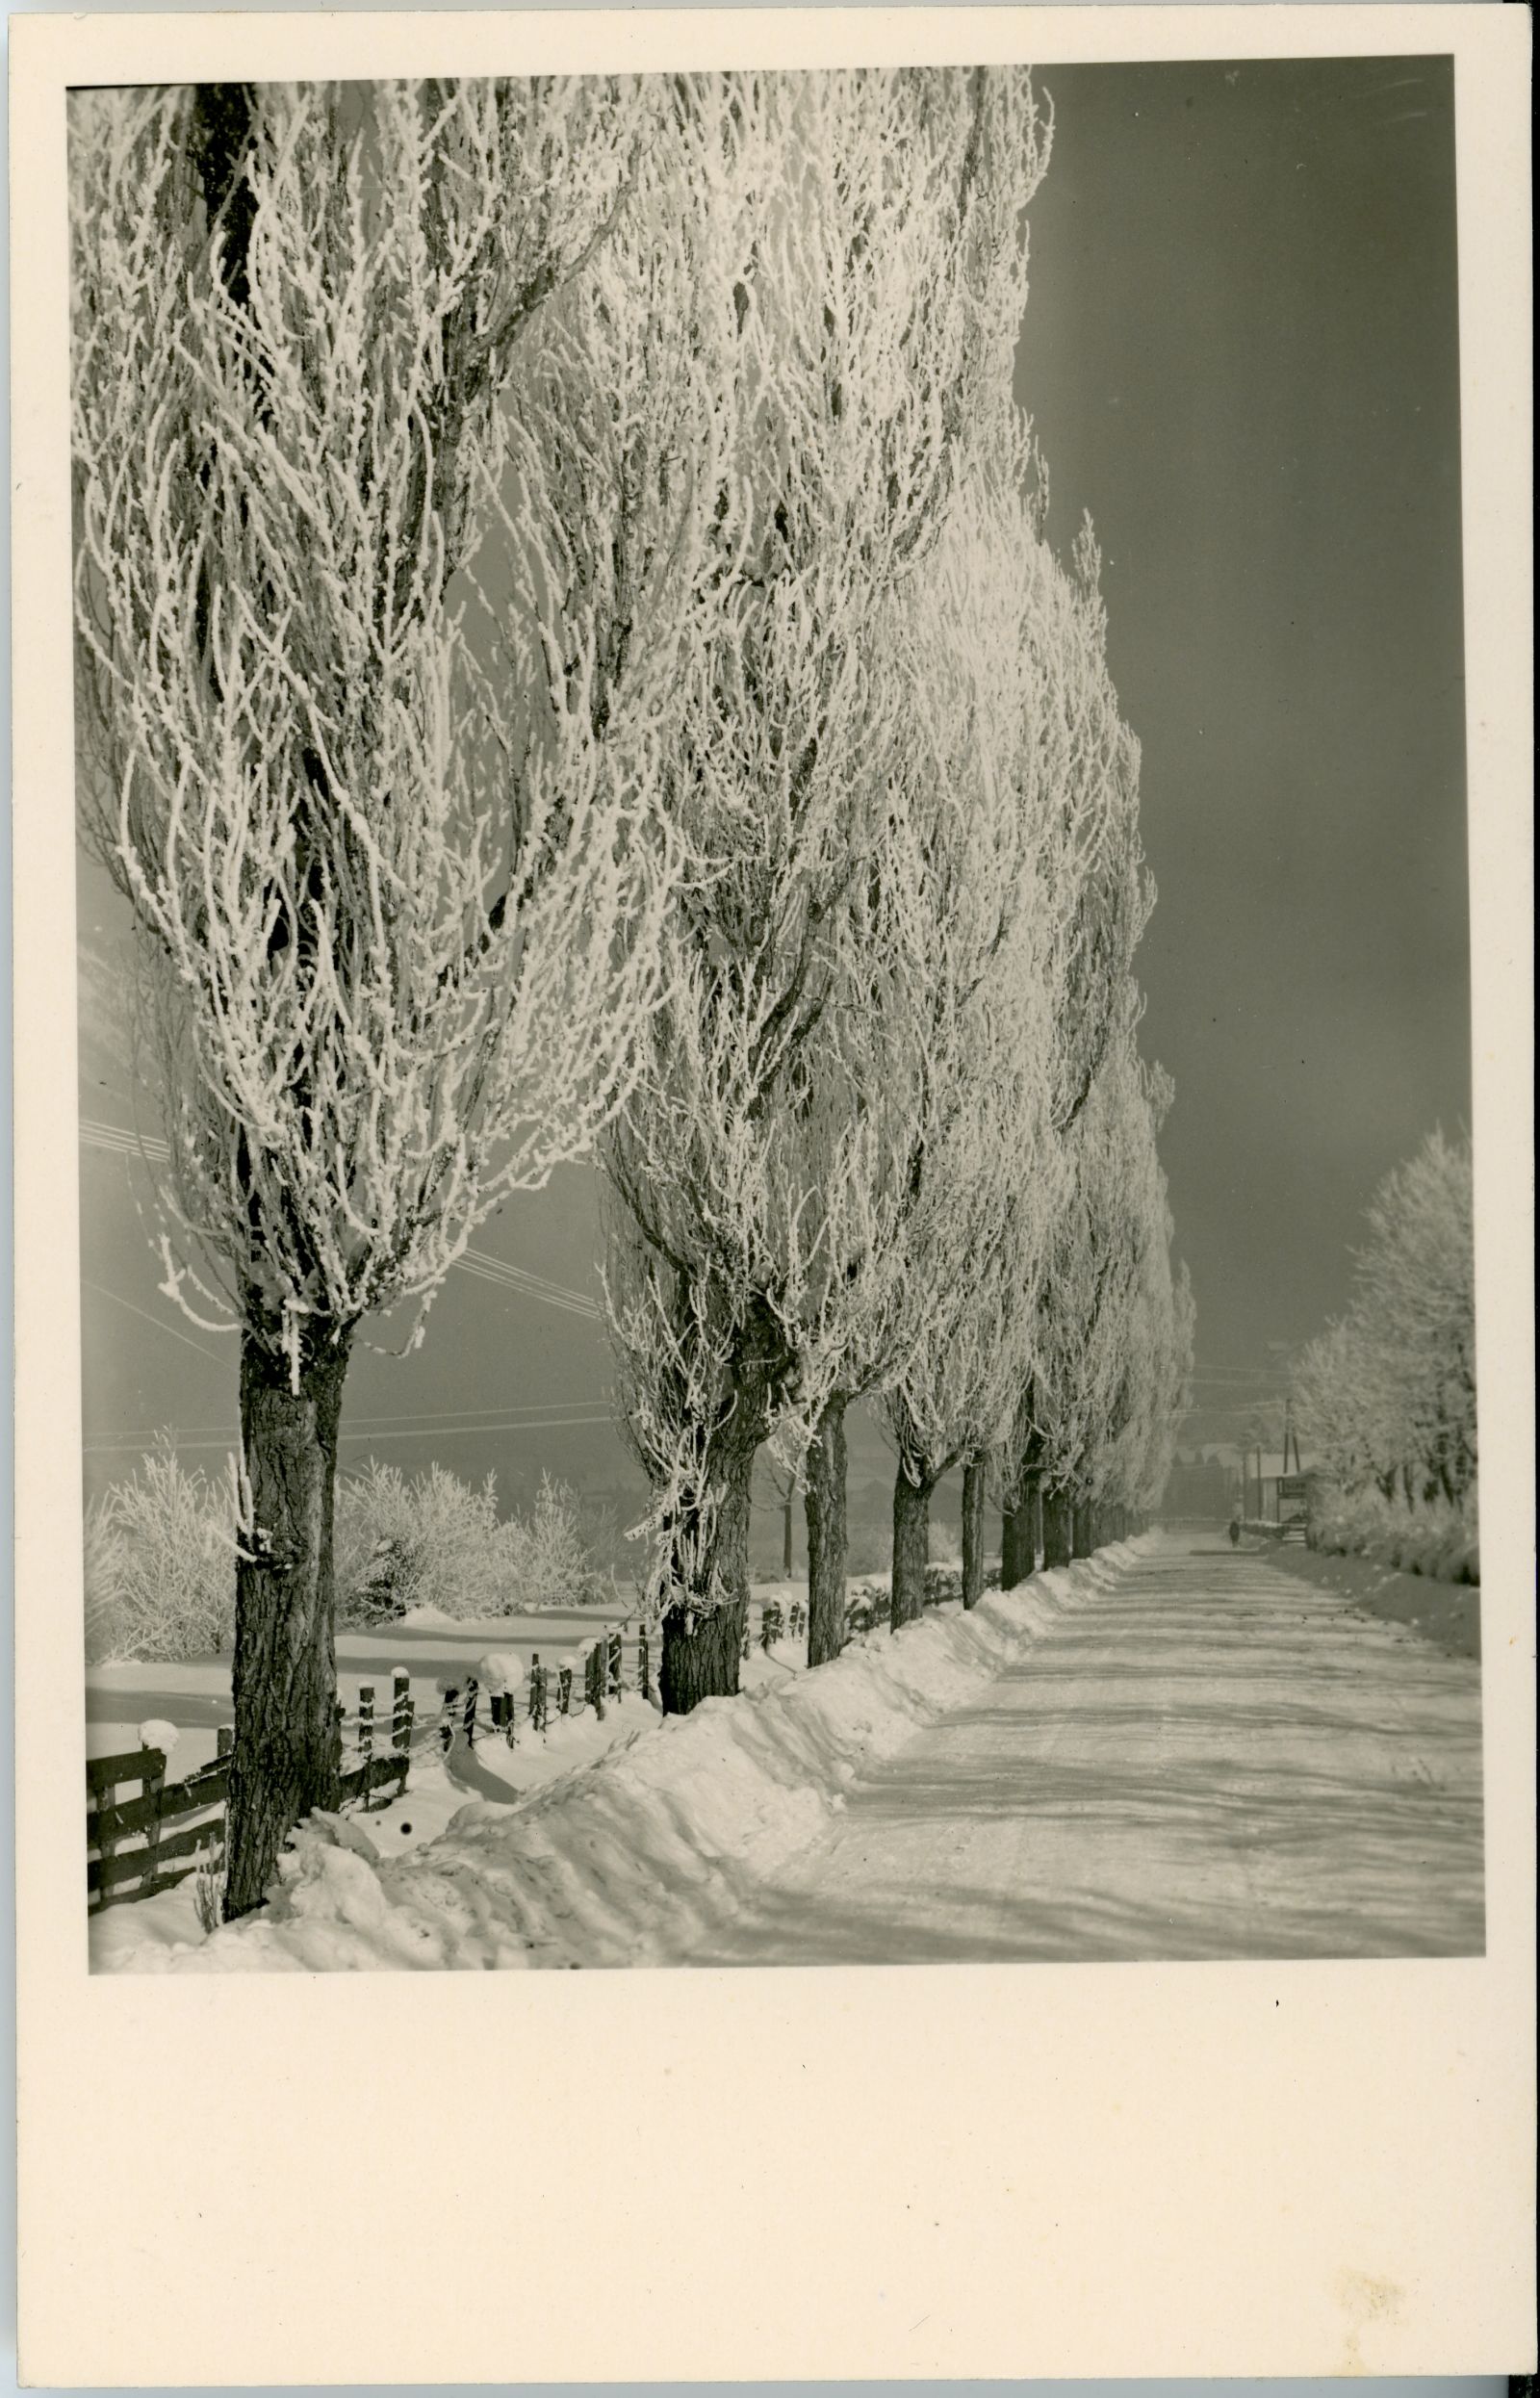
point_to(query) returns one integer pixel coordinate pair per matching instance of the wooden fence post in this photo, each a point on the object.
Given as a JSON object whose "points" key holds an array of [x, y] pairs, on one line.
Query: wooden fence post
{"points": [[366, 1737], [564, 1691], [644, 1678], [473, 1693], [400, 1711], [451, 1699]]}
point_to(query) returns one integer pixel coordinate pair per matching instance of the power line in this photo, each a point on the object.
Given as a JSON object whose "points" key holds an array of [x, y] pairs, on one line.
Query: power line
{"points": [[479, 1263], [185, 1338], [540, 1424]]}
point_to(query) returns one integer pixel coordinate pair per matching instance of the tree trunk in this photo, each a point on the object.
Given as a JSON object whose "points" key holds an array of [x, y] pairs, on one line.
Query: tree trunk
{"points": [[703, 1648], [1013, 1544], [700, 1656], [1079, 1539], [1057, 1541], [826, 1535], [788, 1555], [912, 1546], [973, 1480], [1032, 1516], [703, 1642], [285, 1754]]}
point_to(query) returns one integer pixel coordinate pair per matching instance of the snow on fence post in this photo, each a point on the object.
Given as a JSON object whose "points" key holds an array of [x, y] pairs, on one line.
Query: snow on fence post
{"points": [[446, 1718], [154, 1794], [366, 1738], [617, 1679], [400, 1711], [472, 1692], [564, 1689], [594, 1679], [539, 1696]]}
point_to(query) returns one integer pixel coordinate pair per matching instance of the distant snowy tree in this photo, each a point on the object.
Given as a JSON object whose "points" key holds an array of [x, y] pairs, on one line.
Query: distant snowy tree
{"points": [[1388, 1395], [390, 450], [758, 1167], [1335, 1406]]}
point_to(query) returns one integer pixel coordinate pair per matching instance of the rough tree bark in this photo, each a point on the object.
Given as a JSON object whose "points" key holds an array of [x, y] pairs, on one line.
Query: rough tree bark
{"points": [[825, 1510], [911, 1527], [1081, 1542], [701, 1649], [1056, 1538], [1013, 1529], [285, 1758], [973, 1481]]}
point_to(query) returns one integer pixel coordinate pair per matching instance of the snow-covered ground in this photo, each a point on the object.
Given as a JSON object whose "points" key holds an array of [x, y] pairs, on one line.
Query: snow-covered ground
{"points": [[1210, 1757], [435, 1649], [564, 1855]]}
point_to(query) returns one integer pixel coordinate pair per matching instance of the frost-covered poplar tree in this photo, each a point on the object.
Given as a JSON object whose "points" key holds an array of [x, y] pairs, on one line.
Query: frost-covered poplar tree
{"points": [[1112, 1344], [996, 655], [387, 448], [759, 1166], [1106, 908]]}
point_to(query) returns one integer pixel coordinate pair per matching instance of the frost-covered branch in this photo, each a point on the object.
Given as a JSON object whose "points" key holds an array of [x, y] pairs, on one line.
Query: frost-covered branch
{"points": [[760, 1165], [356, 531]]}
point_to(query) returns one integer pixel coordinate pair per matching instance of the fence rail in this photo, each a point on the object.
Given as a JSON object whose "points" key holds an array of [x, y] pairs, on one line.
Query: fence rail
{"points": [[155, 1859], [139, 1845], [130, 1849]]}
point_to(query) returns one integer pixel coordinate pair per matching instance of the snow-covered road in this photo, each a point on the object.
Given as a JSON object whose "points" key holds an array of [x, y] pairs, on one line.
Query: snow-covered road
{"points": [[1207, 1758]]}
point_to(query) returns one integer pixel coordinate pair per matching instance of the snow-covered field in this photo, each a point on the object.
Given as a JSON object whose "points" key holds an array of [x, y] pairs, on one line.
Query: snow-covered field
{"points": [[433, 1648], [603, 1845]]}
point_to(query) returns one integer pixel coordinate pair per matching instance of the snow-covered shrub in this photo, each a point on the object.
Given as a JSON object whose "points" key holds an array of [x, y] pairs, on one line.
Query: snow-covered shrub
{"points": [[551, 1560], [1437, 1539], [432, 1540], [104, 1568], [160, 1564], [429, 1541]]}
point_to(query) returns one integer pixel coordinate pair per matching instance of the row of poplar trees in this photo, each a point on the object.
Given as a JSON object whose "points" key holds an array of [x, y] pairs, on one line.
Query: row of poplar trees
{"points": [[570, 659]]}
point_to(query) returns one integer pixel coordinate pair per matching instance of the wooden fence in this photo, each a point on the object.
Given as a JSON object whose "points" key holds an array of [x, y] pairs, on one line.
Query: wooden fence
{"points": [[138, 1845]]}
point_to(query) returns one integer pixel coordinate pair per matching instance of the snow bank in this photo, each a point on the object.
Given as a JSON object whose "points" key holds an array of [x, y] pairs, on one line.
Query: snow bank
{"points": [[631, 1857]]}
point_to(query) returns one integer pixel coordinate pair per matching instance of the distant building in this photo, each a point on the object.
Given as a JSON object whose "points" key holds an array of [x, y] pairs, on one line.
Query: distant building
{"points": [[1281, 1490]]}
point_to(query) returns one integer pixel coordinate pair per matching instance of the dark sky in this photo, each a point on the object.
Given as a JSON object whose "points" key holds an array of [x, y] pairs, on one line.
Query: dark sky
{"points": [[1240, 354]]}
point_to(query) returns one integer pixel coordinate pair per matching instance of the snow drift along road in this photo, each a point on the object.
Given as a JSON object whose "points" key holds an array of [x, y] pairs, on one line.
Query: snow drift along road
{"points": [[633, 1858]]}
